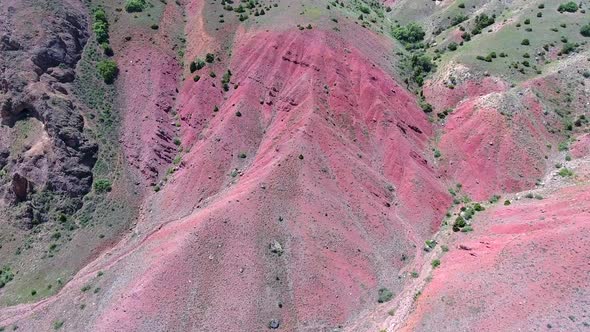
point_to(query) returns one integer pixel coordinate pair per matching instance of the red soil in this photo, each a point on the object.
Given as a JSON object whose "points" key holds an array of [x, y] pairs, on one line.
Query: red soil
{"points": [[525, 267], [342, 229], [489, 152], [149, 80], [581, 146], [335, 171], [442, 97]]}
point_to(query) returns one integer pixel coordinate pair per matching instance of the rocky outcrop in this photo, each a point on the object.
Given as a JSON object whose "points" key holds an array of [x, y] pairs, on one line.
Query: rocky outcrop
{"points": [[44, 153]]}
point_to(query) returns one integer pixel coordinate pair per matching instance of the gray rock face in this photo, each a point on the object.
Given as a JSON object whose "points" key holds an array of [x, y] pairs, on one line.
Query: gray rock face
{"points": [[44, 152]]}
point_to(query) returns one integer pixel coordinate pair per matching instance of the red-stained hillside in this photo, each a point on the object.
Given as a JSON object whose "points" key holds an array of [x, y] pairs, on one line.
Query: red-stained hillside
{"points": [[320, 192], [497, 143], [525, 267], [333, 170]]}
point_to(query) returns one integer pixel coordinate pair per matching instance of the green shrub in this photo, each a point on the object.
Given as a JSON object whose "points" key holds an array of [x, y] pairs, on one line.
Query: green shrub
{"points": [[58, 324], [196, 78], [430, 243], [6, 276], [107, 49], [525, 42], [411, 33], [100, 26], [467, 229], [99, 15], [458, 19], [452, 46], [566, 172], [570, 7], [426, 107], [482, 21], [210, 57], [419, 65], [101, 30], [134, 6], [459, 223], [567, 48], [384, 295], [585, 30], [108, 70], [435, 263], [102, 186], [226, 77]]}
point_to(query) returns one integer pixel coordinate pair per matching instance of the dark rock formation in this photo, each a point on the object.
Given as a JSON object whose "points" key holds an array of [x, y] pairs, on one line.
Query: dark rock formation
{"points": [[45, 156]]}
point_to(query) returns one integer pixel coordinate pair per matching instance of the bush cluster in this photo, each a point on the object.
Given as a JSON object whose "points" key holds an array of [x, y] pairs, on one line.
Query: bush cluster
{"points": [[409, 34], [134, 6], [570, 7], [108, 70]]}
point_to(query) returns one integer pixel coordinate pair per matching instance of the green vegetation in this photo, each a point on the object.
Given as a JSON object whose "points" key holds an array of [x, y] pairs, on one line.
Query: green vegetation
{"points": [[459, 19], [566, 172], [481, 22], [570, 7], [385, 295], [585, 30], [58, 324], [435, 263], [409, 34], [210, 57], [459, 223], [196, 65], [430, 244], [6, 276], [134, 6], [420, 65], [102, 186], [100, 26], [567, 48], [108, 70]]}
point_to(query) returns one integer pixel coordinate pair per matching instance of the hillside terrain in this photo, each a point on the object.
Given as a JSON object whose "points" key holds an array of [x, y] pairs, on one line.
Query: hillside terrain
{"points": [[354, 165]]}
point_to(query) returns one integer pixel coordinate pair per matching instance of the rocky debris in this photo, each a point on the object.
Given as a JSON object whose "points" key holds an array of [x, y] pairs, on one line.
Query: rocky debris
{"points": [[52, 169], [276, 248], [273, 324], [7, 43]]}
